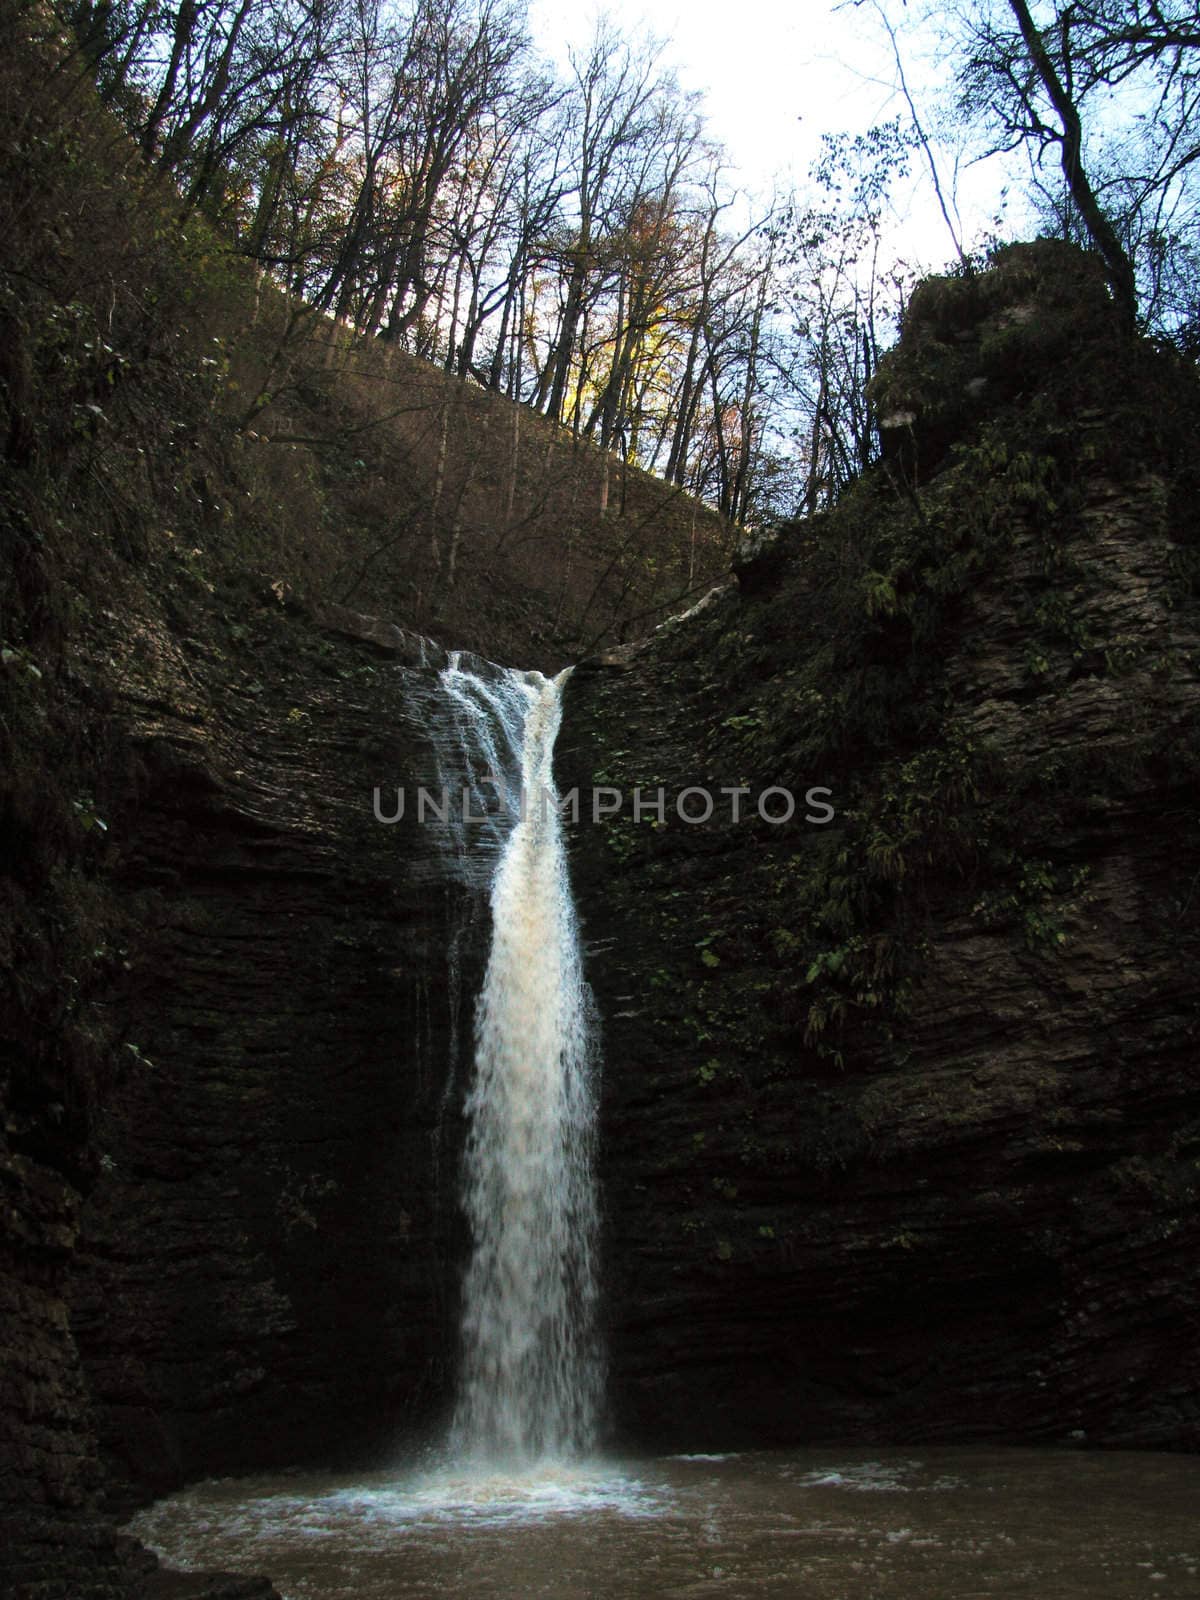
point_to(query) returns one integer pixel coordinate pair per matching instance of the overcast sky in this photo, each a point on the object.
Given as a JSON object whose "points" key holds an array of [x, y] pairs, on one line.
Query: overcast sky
{"points": [[776, 76]]}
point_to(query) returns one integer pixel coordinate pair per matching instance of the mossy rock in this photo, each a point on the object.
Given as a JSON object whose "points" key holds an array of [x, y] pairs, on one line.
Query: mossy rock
{"points": [[973, 340]]}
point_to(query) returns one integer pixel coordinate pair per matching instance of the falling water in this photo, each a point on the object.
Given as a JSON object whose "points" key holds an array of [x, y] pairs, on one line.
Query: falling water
{"points": [[530, 1374]]}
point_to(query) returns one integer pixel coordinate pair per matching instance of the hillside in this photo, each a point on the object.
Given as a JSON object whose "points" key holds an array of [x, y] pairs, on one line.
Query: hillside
{"points": [[173, 413]]}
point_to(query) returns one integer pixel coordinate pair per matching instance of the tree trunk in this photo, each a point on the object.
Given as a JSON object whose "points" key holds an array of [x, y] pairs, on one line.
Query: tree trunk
{"points": [[1100, 230]]}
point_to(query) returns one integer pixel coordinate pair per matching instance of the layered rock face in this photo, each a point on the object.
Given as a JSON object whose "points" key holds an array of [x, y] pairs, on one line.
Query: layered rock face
{"points": [[244, 1250], [900, 1120], [901, 1110], [266, 1271]]}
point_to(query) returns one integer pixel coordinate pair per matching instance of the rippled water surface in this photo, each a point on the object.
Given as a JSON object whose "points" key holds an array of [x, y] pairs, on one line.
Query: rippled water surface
{"points": [[817, 1525]]}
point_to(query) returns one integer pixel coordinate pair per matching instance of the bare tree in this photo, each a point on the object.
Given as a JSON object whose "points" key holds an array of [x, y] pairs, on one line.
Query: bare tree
{"points": [[1057, 89], [843, 304], [613, 102], [1112, 89]]}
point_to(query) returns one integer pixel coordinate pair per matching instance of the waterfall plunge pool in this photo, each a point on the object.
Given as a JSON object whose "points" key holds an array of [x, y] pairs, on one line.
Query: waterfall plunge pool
{"points": [[811, 1525], [936, 1524]]}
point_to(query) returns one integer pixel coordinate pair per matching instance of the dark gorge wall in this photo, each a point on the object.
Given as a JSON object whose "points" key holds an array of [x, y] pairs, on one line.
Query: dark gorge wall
{"points": [[901, 1114], [232, 1239], [265, 1270], [899, 1124]]}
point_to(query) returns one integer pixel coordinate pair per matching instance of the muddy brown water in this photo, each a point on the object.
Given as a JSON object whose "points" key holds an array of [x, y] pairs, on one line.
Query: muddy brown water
{"points": [[944, 1524]]}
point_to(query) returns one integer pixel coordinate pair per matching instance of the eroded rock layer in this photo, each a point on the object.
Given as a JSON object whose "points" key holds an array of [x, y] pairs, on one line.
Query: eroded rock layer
{"points": [[901, 1110]]}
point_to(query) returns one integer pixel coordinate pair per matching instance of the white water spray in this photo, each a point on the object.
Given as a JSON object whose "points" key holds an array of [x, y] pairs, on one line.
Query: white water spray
{"points": [[530, 1380]]}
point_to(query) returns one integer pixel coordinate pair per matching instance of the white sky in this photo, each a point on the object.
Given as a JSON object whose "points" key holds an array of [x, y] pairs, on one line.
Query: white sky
{"points": [[775, 76]]}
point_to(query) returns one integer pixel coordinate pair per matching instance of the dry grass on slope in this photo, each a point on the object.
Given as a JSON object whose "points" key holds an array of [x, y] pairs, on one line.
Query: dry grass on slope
{"points": [[164, 402]]}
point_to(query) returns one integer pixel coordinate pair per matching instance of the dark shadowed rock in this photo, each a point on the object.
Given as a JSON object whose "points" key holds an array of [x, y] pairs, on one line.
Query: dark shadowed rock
{"points": [[901, 1111], [976, 341]]}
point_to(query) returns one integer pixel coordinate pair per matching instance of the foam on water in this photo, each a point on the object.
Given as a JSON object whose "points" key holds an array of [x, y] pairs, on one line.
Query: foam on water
{"points": [[250, 1510], [1014, 1525]]}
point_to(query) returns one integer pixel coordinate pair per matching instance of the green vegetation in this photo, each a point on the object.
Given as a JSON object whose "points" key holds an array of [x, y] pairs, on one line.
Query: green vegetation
{"points": [[956, 652]]}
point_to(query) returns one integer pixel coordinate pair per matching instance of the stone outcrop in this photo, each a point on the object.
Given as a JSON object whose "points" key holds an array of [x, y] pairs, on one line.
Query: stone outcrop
{"points": [[266, 1265], [249, 1255], [901, 1111]]}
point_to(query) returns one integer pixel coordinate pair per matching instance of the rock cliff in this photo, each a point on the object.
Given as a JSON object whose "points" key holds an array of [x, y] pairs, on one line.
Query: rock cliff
{"points": [[266, 1266], [901, 1109], [247, 1254], [901, 1124]]}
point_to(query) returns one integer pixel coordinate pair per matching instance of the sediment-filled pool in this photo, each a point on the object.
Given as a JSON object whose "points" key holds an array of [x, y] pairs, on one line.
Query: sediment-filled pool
{"points": [[937, 1524]]}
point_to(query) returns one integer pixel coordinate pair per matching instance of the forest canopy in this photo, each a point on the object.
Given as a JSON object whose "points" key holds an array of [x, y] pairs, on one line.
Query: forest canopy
{"points": [[575, 239]]}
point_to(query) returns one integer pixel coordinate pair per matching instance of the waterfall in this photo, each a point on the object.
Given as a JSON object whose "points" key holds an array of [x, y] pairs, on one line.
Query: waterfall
{"points": [[529, 1382]]}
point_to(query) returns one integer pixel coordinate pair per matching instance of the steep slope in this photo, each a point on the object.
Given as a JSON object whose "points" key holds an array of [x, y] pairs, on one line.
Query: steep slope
{"points": [[902, 1109], [224, 1144]]}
